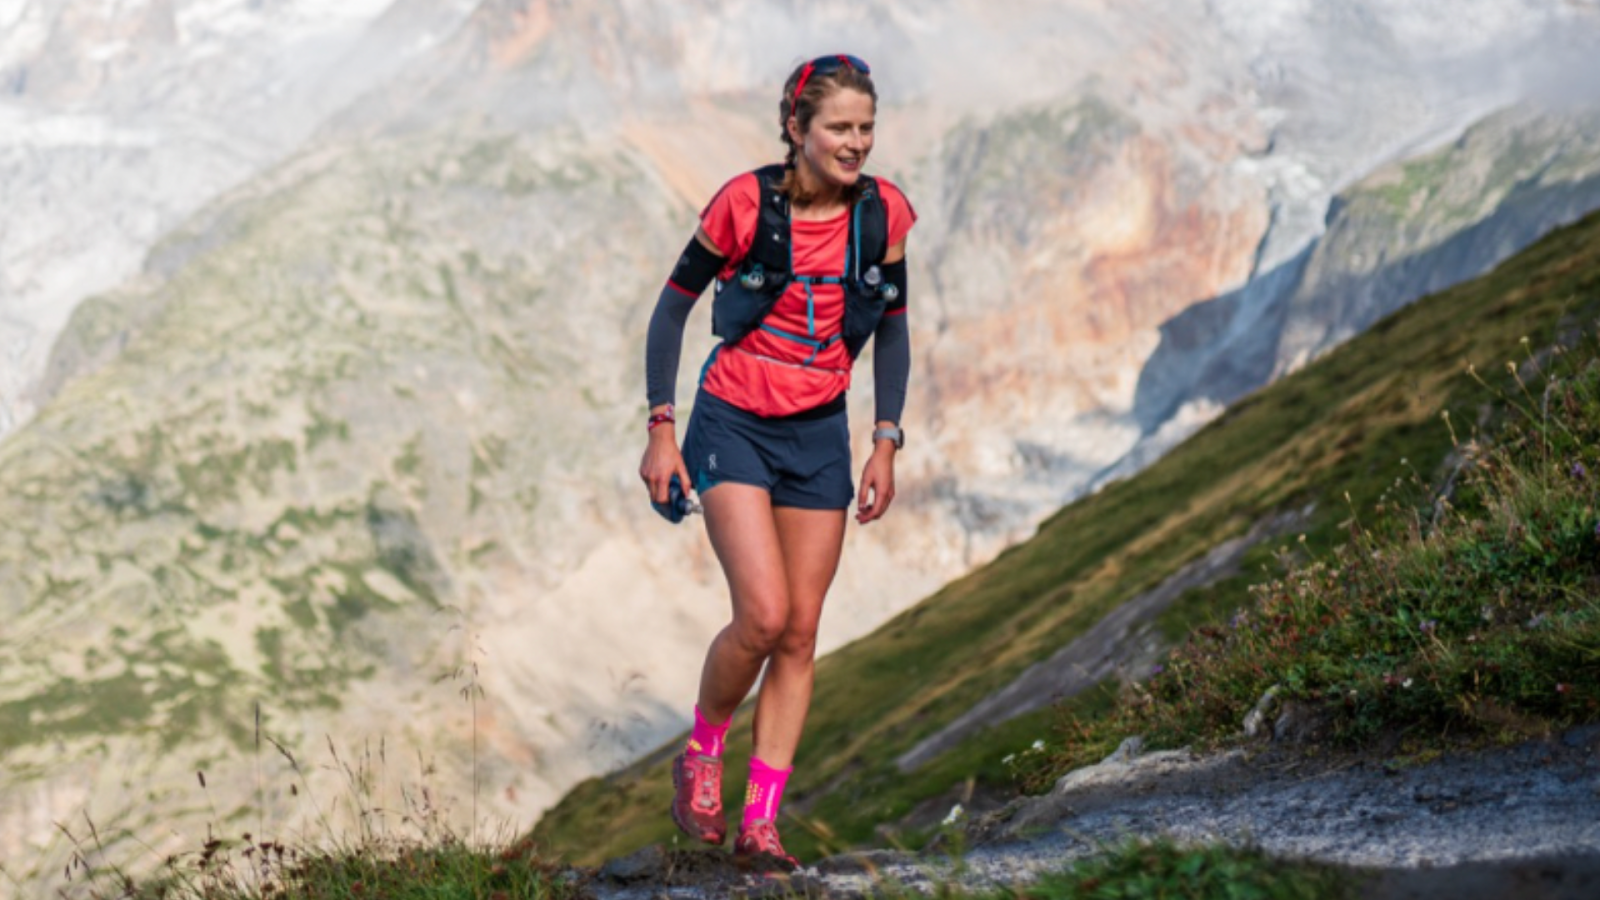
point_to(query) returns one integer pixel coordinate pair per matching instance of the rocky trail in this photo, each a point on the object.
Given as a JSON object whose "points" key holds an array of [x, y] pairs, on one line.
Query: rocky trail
{"points": [[1519, 822]]}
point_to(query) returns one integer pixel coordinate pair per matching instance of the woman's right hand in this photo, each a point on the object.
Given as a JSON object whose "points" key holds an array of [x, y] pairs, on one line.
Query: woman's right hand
{"points": [[662, 460]]}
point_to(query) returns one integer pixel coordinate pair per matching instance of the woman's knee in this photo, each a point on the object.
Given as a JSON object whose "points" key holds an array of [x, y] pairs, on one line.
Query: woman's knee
{"points": [[760, 628], [799, 640]]}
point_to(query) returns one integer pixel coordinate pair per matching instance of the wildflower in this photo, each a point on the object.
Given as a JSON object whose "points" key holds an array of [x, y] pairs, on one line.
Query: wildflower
{"points": [[1428, 626], [1538, 620], [1157, 669], [1563, 688], [1037, 745], [1579, 472], [955, 815], [1009, 759], [1487, 613], [1406, 683]]}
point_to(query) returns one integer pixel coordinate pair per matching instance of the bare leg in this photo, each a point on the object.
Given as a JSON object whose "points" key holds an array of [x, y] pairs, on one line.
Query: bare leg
{"points": [[744, 534], [811, 540]]}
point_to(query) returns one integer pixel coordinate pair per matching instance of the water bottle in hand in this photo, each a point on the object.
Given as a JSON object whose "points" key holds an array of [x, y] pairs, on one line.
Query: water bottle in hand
{"points": [[678, 505]]}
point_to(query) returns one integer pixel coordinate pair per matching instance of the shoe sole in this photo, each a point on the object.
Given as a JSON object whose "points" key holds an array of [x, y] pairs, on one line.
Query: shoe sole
{"points": [[751, 859]]}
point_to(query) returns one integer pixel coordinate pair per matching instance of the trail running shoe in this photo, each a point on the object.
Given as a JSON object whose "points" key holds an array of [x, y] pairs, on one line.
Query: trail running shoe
{"points": [[697, 797], [762, 837]]}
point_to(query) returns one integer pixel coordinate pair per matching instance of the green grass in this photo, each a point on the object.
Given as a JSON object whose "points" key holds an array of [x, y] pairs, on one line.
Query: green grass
{"points": [[380, 836], [1164, 870], [1161, 870], [1341, 426], [1468, 607], [450, 870], [446, 869]]}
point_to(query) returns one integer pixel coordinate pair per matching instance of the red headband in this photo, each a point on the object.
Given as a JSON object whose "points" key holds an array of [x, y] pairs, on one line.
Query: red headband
{"points": [[824, 65]]}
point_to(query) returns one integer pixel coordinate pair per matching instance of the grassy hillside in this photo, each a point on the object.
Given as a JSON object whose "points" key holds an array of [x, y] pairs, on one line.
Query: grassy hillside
{"points": [[1330, 438], [1460, 610]]}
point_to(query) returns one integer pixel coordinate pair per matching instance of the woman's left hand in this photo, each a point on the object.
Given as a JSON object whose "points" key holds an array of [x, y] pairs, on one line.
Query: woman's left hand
{"points": [[877, 483]]}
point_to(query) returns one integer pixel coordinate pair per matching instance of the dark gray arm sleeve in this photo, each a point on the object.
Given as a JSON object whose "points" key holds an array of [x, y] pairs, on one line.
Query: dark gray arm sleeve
{"points": [[891, 367], [663, 344]]}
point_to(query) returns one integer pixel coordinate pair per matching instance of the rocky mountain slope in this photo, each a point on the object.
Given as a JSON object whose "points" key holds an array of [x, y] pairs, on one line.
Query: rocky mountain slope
{"points": [[120, 120], [369, 419], [1404, 231]]}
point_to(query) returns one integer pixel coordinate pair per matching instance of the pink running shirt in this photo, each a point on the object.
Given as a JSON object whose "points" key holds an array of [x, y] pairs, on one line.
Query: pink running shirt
{"points": [[762, 373]]}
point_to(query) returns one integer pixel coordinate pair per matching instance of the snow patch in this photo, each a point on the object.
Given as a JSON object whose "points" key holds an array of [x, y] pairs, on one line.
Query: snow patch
{"points": [[20, 128]]}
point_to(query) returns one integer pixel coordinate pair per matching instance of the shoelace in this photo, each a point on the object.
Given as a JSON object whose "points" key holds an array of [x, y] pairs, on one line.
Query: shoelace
{"points": [[709, 787], [766, 840]]}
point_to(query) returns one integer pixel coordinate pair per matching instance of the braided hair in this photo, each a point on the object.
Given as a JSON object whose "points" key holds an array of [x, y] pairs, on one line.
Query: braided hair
{"points": [[803, 108]]}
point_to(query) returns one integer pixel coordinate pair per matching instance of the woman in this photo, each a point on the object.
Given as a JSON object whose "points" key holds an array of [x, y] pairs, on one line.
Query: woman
{"points": [[767, 448]]}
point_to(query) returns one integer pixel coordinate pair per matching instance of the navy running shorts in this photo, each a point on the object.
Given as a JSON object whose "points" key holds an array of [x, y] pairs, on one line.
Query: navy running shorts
{"points": [[801, 461]]}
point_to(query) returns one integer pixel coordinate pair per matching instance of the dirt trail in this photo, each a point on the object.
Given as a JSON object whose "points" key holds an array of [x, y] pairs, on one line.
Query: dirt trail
{"points": [[1522, 822]]}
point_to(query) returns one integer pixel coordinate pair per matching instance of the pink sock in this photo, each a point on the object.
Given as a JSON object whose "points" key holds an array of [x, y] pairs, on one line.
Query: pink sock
{"points": [[764, 793], [707, 739]]}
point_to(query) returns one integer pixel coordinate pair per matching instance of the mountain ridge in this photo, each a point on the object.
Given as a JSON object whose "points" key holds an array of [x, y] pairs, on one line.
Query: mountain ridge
{"points": [[366, 421]]}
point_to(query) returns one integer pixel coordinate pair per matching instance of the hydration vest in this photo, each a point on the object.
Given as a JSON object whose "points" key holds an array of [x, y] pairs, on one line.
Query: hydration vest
{"points": [[743, 302]]}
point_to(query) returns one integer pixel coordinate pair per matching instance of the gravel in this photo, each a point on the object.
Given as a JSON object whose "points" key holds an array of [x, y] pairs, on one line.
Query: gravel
{"points": [[1522, 821]]}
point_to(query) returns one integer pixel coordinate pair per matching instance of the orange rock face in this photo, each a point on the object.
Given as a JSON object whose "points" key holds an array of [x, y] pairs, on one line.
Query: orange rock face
{"points": [[521, 35], [1047, 316]]}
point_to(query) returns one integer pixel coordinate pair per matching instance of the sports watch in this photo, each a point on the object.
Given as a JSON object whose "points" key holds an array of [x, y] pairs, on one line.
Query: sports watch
{"points": [[892, 433]]}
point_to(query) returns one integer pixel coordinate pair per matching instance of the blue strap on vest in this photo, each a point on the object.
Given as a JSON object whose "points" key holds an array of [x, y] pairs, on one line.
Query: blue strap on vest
{"points": [[743, 303], [810, 337]]}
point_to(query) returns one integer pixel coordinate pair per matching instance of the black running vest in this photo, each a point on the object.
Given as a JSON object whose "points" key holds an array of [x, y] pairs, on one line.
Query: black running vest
{"points": [[743, 302]]}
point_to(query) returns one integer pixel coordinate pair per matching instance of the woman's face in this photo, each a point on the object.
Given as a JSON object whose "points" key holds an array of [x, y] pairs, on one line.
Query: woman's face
{"points": [[840, 137]]}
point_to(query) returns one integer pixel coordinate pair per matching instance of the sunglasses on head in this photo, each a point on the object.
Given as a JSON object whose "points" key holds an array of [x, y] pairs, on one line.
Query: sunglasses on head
{"points": [[822, 65]]}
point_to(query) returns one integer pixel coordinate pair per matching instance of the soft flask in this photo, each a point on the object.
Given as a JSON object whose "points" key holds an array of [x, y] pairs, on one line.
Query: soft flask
{"points": [[678, 503]]}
